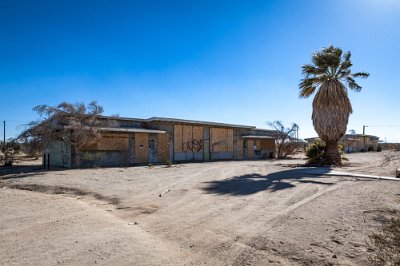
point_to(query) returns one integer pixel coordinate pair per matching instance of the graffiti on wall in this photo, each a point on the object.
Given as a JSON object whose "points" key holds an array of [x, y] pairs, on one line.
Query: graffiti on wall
{"points": [[152, 147], [192, 145]]}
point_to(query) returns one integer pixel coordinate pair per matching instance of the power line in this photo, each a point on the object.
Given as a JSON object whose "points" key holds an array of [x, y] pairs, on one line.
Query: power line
{"points": [[384, 126]]}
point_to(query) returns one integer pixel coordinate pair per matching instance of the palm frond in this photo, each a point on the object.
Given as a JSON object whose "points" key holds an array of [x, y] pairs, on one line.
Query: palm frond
{"points": [[307, 92], [360, 75], [353, 84], [310, 70]]}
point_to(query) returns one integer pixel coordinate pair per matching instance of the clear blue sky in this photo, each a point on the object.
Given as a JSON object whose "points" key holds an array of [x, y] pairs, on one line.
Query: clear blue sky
{"points": [[226, 61]]}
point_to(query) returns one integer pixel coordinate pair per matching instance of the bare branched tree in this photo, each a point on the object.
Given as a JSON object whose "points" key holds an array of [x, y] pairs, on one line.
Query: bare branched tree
{"points": [[283, 136], [75, 124], [352, 131]]}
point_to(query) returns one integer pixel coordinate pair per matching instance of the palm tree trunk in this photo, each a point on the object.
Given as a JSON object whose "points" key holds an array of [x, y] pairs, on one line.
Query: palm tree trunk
{"points": [[332, 154]]}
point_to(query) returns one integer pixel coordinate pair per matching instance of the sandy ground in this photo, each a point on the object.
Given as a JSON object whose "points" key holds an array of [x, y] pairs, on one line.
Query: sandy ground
{"points": [[220, 213]]}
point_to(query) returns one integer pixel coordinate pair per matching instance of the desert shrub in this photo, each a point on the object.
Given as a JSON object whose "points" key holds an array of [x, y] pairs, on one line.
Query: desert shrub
{"points": [[315, 153], [342, 153], [370, 148], [9, 157], [168, 163], [386, 244]]}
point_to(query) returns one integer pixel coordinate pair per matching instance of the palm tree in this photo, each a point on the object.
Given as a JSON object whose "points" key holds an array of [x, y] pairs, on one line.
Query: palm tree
{"points": [[328, 74]]}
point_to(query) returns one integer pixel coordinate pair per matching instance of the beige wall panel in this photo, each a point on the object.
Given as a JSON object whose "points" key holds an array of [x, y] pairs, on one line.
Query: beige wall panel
{"points": [[250, 147], [177, 138], [197, 142], [187, 135], [221, 139], [215, 138], [109, 142], [229, 140], [257, 144], [239, 149], [198, 133], [267, 144], [163, 147], [188, 138], [141, 148]]}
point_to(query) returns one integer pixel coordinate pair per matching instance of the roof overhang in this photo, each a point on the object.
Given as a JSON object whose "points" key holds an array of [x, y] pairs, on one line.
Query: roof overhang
{"points": [[195, 122], [257, 137], [131, 130]]}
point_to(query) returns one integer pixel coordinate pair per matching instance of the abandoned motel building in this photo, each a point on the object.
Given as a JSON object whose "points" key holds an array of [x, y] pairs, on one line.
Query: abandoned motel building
{"points": [[355, 142], [157, 140]]}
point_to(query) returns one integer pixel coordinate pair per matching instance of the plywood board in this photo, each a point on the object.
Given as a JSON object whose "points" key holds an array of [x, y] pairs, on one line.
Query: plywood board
{"points": [[187, 136], [163, 147], [177, 138], [239, 149], [197, 139], [257, 144], [221, 139], [267, 144], [250, 149], [109, 142], [141, 148], [229, 140]]}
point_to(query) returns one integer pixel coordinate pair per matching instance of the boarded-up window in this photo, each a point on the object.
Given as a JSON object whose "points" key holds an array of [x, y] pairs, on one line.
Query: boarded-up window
{"points": [[109, 142], [141, 148], [188, 138], [267, 144], [221, 139], [163, 147]]}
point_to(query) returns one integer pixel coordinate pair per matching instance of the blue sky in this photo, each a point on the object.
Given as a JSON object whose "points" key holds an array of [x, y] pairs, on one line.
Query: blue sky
{"points": [[226, 61]]}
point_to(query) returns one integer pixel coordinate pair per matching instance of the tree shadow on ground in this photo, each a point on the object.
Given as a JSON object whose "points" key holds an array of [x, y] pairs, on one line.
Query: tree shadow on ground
{"points": [[20, 171], [253, 183]]}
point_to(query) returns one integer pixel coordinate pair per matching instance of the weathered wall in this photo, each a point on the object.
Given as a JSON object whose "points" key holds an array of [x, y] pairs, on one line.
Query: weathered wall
{"points": [[267, 147], [103, 158], [221, 143], [109, 142], [60, 154], [356, 144], [239, 149], [111, 150], [188, 143], [182, 142], [250, 147], [141, 148], [163, 148], [169, 128]]}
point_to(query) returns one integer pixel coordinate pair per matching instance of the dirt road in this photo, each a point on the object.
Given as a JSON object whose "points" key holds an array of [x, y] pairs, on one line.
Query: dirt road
{"points": [[222, 213]]}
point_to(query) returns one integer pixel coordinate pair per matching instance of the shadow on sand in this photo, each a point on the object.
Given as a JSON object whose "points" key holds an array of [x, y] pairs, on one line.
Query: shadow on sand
{"points": [[253, 183], [21, 171]]}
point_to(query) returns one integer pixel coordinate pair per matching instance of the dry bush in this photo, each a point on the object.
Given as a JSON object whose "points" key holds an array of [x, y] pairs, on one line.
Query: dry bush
{"points": [[386, 244]]}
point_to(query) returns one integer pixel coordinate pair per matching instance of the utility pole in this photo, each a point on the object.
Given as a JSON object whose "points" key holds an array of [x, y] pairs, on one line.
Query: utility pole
{"points": [[364, 126], [4, 136]]}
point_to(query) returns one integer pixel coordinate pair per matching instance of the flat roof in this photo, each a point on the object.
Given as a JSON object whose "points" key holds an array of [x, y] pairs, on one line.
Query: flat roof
{"points": [[257, 137], [131, 130], [196, 122], [123, 118]]}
